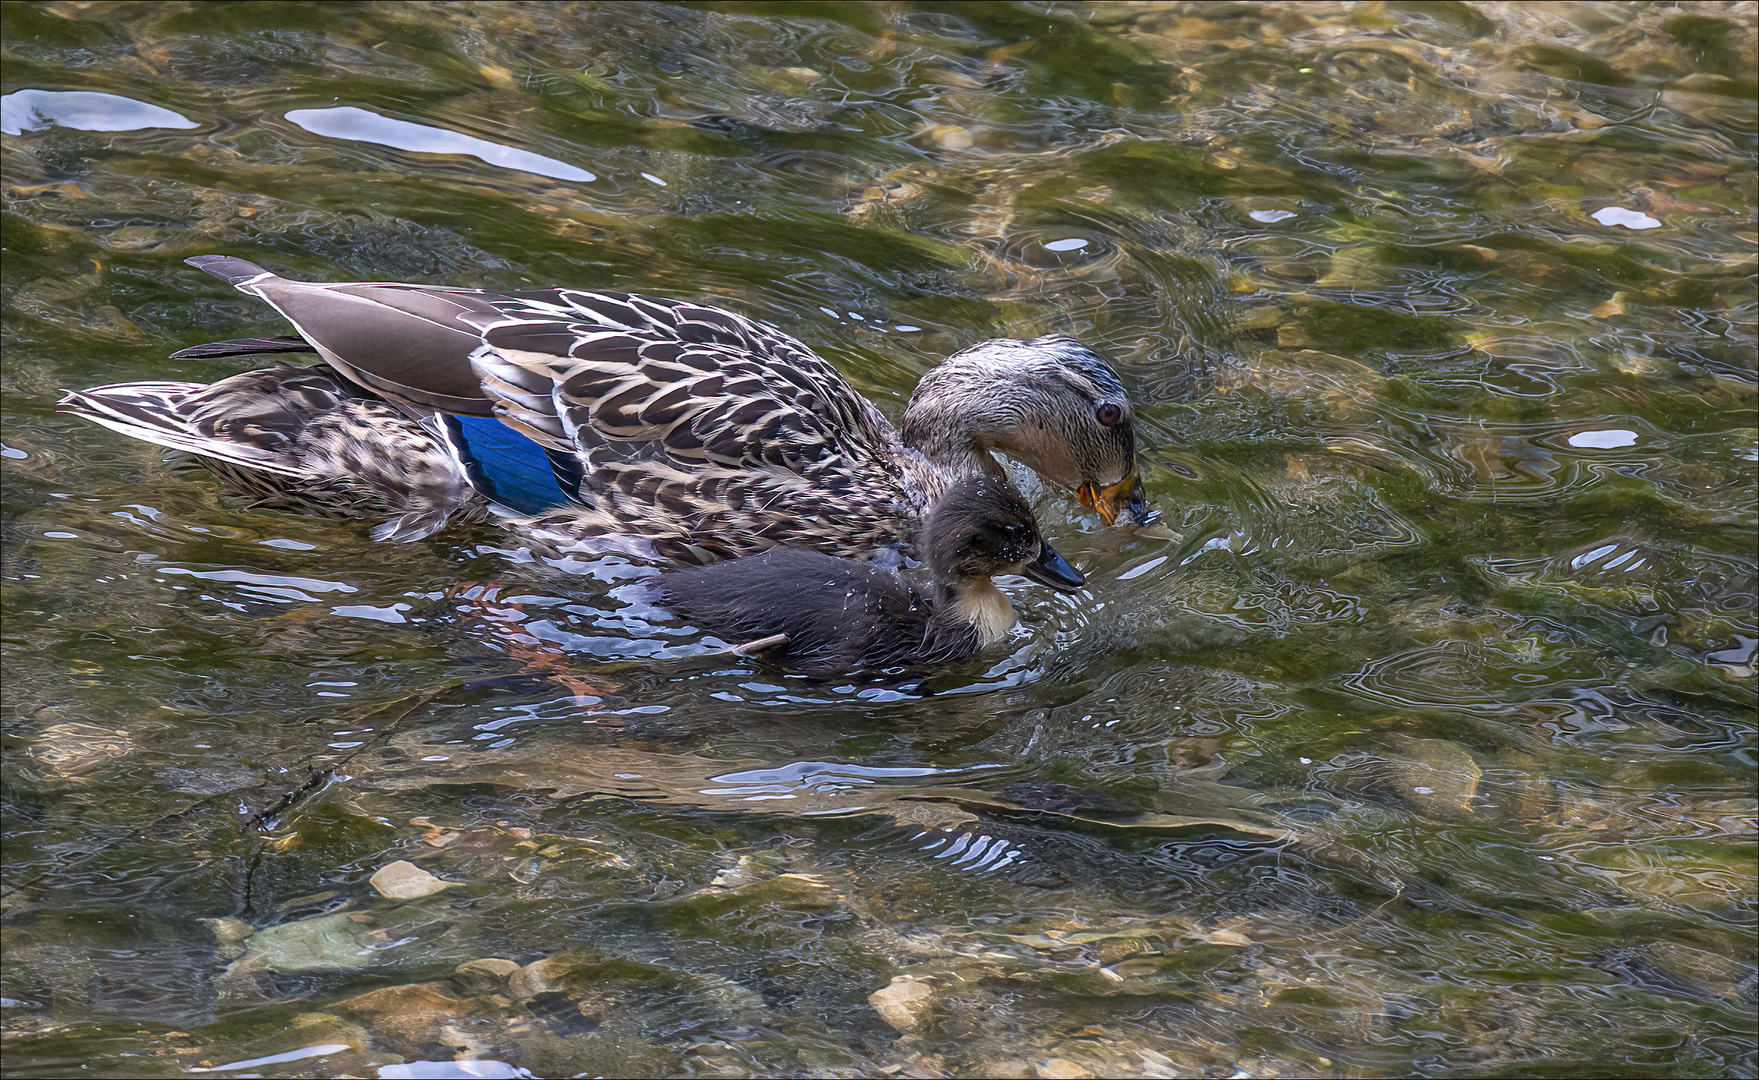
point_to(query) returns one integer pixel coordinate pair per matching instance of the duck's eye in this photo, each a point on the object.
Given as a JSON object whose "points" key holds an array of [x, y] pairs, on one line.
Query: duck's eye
{"points": [[1109, 413]]}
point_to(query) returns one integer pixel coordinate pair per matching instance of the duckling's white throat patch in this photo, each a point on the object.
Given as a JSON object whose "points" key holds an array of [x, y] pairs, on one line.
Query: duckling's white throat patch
{"points": [[986, 608]]}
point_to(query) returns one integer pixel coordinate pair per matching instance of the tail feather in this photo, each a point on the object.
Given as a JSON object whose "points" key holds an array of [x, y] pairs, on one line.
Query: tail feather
{"points": [[250, 346], [299, 439], [151, 412], [228, 268]]}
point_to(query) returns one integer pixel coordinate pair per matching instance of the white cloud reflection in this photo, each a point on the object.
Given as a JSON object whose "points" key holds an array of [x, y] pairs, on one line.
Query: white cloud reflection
{"points": [[360, 125], [87, 110]]}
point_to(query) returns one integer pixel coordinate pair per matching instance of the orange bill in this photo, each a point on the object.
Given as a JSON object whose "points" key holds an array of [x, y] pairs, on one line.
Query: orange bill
{"points": [[1125, 497]]}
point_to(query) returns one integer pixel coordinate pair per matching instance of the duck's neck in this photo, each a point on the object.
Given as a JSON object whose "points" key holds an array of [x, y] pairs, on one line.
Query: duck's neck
{"points": [[958, 415], [955, 417], [927, 478], [974, 605]]}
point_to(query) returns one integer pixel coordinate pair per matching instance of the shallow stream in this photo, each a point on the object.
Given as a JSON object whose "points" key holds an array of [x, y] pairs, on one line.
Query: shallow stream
{"points": [[1427, 748]]}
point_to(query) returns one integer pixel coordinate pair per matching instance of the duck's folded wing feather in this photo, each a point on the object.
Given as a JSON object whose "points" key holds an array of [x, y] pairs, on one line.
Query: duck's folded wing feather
{"points": [[407, 342], [252, 346], [710, 447], [697, 404]]}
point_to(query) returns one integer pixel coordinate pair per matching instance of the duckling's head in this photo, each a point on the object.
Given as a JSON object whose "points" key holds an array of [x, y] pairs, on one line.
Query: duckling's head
{"points": [[982, 527], [1051, 402]]}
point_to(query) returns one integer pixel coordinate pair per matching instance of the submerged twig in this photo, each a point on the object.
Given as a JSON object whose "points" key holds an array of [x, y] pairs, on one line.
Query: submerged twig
{"points": [[762, 644]]}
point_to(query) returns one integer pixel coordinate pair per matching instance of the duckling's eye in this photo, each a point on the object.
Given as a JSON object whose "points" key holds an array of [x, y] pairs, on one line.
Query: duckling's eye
{"points": [[1108, 413]]}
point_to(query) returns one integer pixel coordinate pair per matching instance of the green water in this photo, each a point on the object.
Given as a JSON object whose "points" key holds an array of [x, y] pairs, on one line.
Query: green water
{"points": [[1427, 749]]}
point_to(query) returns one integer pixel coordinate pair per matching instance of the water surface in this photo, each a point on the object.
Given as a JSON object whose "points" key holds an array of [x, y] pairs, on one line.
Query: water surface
{"points": [[1427, 749]]}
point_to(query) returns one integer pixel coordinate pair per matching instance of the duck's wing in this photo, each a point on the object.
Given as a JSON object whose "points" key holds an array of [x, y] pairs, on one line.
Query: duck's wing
{"points": [[662, 416], [409, 343], [701, 385], [718, 429], [419, 344]]}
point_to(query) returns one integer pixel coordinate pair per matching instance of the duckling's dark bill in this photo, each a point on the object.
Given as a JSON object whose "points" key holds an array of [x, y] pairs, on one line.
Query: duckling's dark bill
{"points": [[1054, 570]]}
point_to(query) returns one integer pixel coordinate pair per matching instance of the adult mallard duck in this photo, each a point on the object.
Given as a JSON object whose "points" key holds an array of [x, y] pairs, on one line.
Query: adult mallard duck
{"points": [[602, 416]]}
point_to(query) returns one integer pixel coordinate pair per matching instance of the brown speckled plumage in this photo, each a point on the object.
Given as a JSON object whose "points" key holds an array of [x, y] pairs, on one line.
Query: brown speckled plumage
{"points": [[292, 438]]}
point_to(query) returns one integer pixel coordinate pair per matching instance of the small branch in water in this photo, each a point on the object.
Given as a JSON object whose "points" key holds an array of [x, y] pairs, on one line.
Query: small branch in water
{"points": [[1158, 531], [760, 645], [268, 819]]}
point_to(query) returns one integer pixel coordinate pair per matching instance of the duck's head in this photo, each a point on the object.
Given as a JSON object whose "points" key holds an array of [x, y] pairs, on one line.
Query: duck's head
{"points": [[1050, 402], [982, 527]]}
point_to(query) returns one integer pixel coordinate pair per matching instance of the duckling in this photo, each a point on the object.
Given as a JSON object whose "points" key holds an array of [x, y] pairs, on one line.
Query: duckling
{"points": [[821, 615], [584, 416]]}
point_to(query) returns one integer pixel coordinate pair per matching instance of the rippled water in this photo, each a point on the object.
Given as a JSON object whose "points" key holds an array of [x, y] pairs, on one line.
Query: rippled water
{"points": [[1427, 749]]}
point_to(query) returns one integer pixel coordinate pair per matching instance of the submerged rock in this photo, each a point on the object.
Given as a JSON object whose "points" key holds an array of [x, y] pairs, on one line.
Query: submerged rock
{"points": [[485, 976], [904, 1004], [338, 942], [404, 880], [1436, 775], [414, 1018]]}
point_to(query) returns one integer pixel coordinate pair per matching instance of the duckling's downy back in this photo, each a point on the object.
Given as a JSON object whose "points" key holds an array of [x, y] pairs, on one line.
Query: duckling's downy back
{"points": [[839, 614]]}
